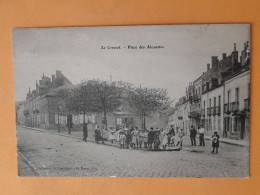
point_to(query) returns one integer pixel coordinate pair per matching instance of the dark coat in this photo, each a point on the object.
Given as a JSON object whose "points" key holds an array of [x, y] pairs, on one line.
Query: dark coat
{"points": [[193, 132], [215, 140], [97, 135]]}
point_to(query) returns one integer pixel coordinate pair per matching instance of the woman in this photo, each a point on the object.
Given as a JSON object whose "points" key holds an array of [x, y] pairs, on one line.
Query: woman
{"points": [[141, 138], [215, 141], [145, 138], [135, 137], [122, 138], [111, 135], [97, 135], [164, 139]]}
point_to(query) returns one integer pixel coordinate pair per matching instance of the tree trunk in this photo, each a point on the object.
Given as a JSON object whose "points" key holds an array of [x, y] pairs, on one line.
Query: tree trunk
{"points": [[58, 121], [144, 122], [84, 122]]}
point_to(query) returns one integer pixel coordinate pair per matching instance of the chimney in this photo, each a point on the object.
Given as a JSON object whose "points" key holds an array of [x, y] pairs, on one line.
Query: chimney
{"points": [[208, 67], [224, 55], [58, 74], [235, 48], [245, 45], [214, 63]]}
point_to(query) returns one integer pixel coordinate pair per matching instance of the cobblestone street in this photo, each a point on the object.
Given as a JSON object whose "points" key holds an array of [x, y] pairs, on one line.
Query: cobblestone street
{"points": [[54, 155]]}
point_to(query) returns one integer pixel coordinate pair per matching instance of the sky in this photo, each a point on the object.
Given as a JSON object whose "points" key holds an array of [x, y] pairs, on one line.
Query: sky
{"points": [[76, 51]]}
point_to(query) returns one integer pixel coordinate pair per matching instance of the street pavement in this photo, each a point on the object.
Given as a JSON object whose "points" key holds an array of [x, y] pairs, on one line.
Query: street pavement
{"points": [[48, 154]]}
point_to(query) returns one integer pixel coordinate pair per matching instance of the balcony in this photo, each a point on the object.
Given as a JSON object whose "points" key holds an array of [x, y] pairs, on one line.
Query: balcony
{"points": [[235, 107], [196, 98], [202, 112], [194, 114], [213, 110], [246, 104], [218, 108], [26, 112], [209, 111], [227, 108]]}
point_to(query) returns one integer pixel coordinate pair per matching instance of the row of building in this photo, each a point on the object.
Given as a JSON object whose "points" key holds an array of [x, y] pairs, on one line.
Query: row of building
{"points": [[219, 98], [39, 110]]}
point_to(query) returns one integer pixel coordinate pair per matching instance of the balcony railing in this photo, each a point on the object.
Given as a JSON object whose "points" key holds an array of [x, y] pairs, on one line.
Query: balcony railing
{"points": [[227, 108], [246, 104], [194, 114], [235, 106], [202, 112], [209, 111], [213, 110], [196, 98], [217, 108]]}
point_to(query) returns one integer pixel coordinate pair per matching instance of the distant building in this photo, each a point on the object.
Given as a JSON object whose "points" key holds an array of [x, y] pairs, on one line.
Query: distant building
{"points": [[38, 109], [219, 98]]}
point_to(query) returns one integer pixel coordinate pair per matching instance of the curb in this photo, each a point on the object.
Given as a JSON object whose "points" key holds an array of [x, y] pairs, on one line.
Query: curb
{"points": [[227, 142]]}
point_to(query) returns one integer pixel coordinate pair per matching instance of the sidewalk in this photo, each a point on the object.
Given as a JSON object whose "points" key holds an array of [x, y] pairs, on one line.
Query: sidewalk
{"points": [[75, 135], [231, 141]]}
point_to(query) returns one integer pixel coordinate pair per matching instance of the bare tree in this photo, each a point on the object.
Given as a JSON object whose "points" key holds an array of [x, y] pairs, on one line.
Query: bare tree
{"points": [[146, 101], [84, 100], [108, 95], [63, 102]]}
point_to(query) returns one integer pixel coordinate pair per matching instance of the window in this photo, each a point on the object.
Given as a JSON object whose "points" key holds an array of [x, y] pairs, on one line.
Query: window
{"points": [[219, 101], [237, 95], [228, 97], [119, 121], [214, 101], [209, 102]]}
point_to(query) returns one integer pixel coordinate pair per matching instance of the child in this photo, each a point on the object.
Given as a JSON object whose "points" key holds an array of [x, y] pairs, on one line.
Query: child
{"points": [[122, 138], [215, 141]]}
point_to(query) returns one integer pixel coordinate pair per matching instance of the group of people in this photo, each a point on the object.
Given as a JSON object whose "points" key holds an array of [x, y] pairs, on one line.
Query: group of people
{"points": [[201, 131], [150, 139], [157, 139]]}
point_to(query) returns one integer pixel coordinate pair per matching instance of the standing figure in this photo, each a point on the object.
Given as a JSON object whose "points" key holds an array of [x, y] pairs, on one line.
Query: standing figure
{"points": [[135, 136], [193, 134], [145, 138], [164, 140], [97, 135], [215, 141], [179, 138], [150, 138], [128, 139], [111, 135], [85, 132], [141, 138], [201, 134], [172, 131], [122, 138]]}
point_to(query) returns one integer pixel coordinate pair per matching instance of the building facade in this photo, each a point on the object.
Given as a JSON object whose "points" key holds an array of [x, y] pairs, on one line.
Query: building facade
{"points": [[219, 98]]}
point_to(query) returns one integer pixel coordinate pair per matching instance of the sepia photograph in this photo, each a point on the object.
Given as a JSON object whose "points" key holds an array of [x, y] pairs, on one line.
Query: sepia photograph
{"points": [[133, 101]]}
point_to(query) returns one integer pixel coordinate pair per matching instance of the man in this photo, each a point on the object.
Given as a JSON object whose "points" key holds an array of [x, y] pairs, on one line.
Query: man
{"points": [[201, 133], [172, 132], [193, 134], [150, 138], [97, 135]]}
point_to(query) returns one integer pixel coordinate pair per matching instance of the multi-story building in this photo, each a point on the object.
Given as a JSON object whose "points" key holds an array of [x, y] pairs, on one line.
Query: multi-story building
{"points": [[219, 98]]}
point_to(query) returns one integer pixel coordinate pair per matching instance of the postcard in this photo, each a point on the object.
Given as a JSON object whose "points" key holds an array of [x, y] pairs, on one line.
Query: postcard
{"points": [[133, 101]]}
